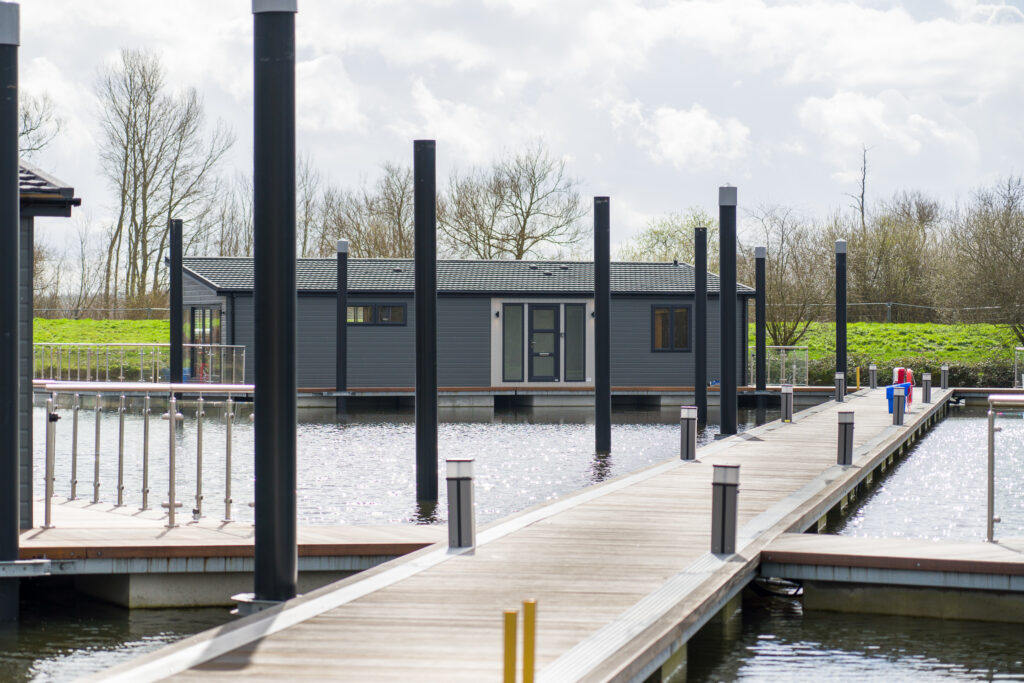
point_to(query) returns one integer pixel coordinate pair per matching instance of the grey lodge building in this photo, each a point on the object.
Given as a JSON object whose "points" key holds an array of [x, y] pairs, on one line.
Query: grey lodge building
{"points": [[501, 325]]}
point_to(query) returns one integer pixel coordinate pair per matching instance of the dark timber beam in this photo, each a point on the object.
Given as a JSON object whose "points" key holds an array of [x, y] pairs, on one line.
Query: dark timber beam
{"points": [[727, 305], [425, 219], [177, 302], [9, 346], [700, 327], [841, 306], [602, 327], [274, 298], [760, 360], [341, 331]]}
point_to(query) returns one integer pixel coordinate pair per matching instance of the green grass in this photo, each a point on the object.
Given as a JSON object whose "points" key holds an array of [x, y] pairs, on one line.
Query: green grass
{"points": [[884, 341], [64, 331]]}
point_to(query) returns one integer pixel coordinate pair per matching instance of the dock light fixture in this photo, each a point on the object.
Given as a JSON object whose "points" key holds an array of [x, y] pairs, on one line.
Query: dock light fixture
{"points": [[688, 433], [461, 522], [899, 404], [926, 387], [840, 380], [725, 484], [787, 402], [872, 376], [844, 455], [944, 376]]}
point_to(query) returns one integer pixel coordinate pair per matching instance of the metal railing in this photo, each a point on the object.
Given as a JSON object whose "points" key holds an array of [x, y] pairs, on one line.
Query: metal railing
{"points": [[996, 401], [174, 418], [784, 364], [203, 363]]}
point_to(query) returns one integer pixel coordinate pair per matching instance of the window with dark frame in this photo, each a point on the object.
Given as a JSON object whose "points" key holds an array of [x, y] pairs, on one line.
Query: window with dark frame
{"points": [[670, 328], [377, 314]]}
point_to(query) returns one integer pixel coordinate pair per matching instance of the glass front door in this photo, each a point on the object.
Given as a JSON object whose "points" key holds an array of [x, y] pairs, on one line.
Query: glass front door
{"points": [[543, 343]]}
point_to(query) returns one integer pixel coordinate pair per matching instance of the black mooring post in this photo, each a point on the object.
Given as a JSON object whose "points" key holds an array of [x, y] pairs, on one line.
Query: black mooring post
{"points": [[760, 327], [341, 331], [727, 305], [9, 229], [602, 327], [425, 218], [700, 323], [176, 301], [274, 297], [841, 306]]}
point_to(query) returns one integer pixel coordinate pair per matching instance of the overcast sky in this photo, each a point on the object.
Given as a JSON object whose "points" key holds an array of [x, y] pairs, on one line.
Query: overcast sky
{"points": [[653, 103]]}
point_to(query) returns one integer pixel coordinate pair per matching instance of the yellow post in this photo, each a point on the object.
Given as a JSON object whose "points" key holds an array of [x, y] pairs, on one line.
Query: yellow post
{"points": [[529, 639], [858, 378], [510, 645]]}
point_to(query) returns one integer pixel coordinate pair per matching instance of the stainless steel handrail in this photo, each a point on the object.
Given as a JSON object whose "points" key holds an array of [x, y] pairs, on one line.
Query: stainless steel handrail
{"points": [[1012, 401], [225, 362], [146, 389]]}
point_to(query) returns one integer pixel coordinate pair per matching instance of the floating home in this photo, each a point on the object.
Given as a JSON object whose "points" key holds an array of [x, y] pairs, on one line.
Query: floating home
{"points": [[523, 328]]}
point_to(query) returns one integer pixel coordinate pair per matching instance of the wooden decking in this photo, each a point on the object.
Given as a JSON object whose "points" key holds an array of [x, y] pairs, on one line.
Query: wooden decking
{"points": [[621, 572], [84, 531]]}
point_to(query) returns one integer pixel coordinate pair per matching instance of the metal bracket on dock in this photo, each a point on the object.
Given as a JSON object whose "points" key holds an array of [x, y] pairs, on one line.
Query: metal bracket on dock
{"points": [[21, 568], [248, 604]]}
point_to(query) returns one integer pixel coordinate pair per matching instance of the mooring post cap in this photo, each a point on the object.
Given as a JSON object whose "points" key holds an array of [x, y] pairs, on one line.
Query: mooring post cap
{"points": [[726, 474], [760, 252], [840, 375], [460, 468], [899, 390], [259, 6], [945, 366], [10, 24], [846, 417], [872, 366], [727, 196], [787, 388], [687, 412], [342, 246], [840, 246], [926, 377]]}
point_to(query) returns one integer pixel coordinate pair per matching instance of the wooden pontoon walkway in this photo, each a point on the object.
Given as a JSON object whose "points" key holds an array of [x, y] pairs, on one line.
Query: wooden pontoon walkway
{"points": [[621, 572]]}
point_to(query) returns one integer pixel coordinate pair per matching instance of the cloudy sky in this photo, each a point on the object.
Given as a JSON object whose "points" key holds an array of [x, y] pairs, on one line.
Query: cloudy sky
{"points": [[653, 103]]}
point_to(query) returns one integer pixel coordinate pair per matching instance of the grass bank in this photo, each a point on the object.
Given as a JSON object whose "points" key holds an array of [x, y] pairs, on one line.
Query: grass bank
{"points": [[64, 331]]}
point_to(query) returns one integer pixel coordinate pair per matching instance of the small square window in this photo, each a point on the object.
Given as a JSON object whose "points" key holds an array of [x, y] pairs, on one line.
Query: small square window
{"points": [[670, 328], [390, 315], [360, 315]]}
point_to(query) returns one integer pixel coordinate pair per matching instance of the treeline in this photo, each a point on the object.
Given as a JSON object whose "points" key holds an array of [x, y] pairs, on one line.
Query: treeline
{"points": [[940, 262]]}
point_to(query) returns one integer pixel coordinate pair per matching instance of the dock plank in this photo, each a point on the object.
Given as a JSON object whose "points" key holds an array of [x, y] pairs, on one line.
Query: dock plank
{"points": [[592, 560]]}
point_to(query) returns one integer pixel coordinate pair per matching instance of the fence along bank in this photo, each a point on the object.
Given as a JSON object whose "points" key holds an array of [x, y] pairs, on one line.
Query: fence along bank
{"points": [[502, 325]]}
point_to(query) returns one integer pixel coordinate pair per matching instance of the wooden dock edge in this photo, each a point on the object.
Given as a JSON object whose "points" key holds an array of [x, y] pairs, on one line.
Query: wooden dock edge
{"points": [[670, 628]]}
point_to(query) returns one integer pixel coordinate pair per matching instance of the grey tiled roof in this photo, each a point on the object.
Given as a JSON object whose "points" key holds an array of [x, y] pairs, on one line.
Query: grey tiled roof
{"points": [[460, 276], [32, 181]]}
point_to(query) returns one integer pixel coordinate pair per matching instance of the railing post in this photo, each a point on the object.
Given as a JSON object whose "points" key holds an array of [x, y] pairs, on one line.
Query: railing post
{"points": [[120, 452], [840, 380], [688, 432], [461, 518], [990, 496], [229, 416], [51, 438], [725, 484], [899, 404], [145, 453], [926, 387], [96, 462], [172, 418], [75, 405], [786, 398], [872, 376], [844, 455], [200, 413]]}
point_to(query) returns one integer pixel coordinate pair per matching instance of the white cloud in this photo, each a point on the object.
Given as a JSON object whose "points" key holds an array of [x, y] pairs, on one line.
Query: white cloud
{"points": [[455, 123], [326, 99], [683, 137]]}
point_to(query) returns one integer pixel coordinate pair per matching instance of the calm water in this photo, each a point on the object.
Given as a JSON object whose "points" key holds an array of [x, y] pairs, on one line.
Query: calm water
{"points": [[357, 473], [936, 492]]}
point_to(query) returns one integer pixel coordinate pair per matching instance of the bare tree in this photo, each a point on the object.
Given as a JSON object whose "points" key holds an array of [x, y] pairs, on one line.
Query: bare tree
{"points": [[309, 209], [377, 220], [796, 272], [859, 199], [671, 237], [38, 123], [154, 153], [524, 205]]}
